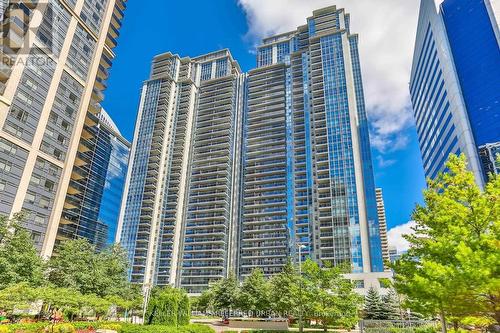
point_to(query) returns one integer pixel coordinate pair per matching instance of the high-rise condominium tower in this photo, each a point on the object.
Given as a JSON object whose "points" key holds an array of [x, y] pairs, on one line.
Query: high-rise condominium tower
{"points": [[93, 201], [308, 170], [180, 209], [232, 172], [55, 60], [454, 82], [382, 221]]}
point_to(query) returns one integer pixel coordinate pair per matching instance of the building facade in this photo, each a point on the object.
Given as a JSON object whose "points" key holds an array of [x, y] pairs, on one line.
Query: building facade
{"points": [[307, 159], [232, 172], [180, 209], [454, 82], [382, 220], [93, 201], [490, 154], [55, 60]]}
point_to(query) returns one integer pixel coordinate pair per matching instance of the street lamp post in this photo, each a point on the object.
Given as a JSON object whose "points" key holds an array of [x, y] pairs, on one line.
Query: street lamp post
{"points": [[301, 305], [146, 292]]}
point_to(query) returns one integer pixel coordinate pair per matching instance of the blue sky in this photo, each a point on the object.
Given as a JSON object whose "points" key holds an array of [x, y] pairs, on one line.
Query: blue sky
{"points": [[200, 26]]}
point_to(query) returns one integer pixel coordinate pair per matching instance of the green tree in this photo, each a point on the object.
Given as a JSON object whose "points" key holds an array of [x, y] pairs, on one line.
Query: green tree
{"points": [[19, 259], [285, 291], [330, 297], [74, 266], [204, 302], [391, 305], [373, 308], [17, 296], [254, 294], [113, 267], [225, 294], [168, 306], [453, 266], [77, 265]]}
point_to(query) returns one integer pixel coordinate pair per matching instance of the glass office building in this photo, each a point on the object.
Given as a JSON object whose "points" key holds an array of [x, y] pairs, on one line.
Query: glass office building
{"points": [[232, 172], [95, 191], [454, 82], [490, 154], [48, 85]]}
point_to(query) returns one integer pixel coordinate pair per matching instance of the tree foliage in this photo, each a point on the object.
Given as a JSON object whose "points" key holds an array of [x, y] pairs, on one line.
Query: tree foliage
{"points": [[285, 291], [168, 306], [392, 306], [374, 307], [75, 279], [19, 260], [377, 307], [330, 297], [225, 294], [453, 266], [77, 265], [320, 293], [254, 293]]}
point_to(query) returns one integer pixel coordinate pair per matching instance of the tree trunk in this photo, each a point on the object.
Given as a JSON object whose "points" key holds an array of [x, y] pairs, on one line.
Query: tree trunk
{"points": [[442, 317]]}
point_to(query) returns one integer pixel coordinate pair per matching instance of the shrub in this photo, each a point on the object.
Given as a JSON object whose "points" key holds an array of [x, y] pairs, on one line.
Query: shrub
{"points": [[191, 328], [4, 329], [197, 328], [86, 325], [113, 327], [425, 329], [64, 328], [28, 328]]}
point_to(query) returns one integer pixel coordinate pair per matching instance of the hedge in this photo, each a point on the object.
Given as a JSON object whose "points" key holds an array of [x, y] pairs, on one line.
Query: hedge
{"points": [[119, 327]]}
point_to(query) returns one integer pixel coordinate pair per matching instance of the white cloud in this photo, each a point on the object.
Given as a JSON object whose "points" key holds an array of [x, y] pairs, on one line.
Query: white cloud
{"points": [[383, 163], [386, 33], [395, 236]]}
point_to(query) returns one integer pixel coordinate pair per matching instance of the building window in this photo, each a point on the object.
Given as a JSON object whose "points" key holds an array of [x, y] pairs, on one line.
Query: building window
{"points": [[35, 180], [206, 71], [5, 166], [265, 56], [30, 198], [221, 67], [283, 51], [39, 219], [359, 284], [44, 202], [36, 237], [8, 148], [49, 185]]}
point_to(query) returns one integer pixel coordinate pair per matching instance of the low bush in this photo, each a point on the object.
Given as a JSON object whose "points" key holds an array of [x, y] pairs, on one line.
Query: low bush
{"points": [[196, 328], [27, 328], [191, 328], [87, 325], [114, 327], [64, 328], [426, 329], [44, 327]]}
